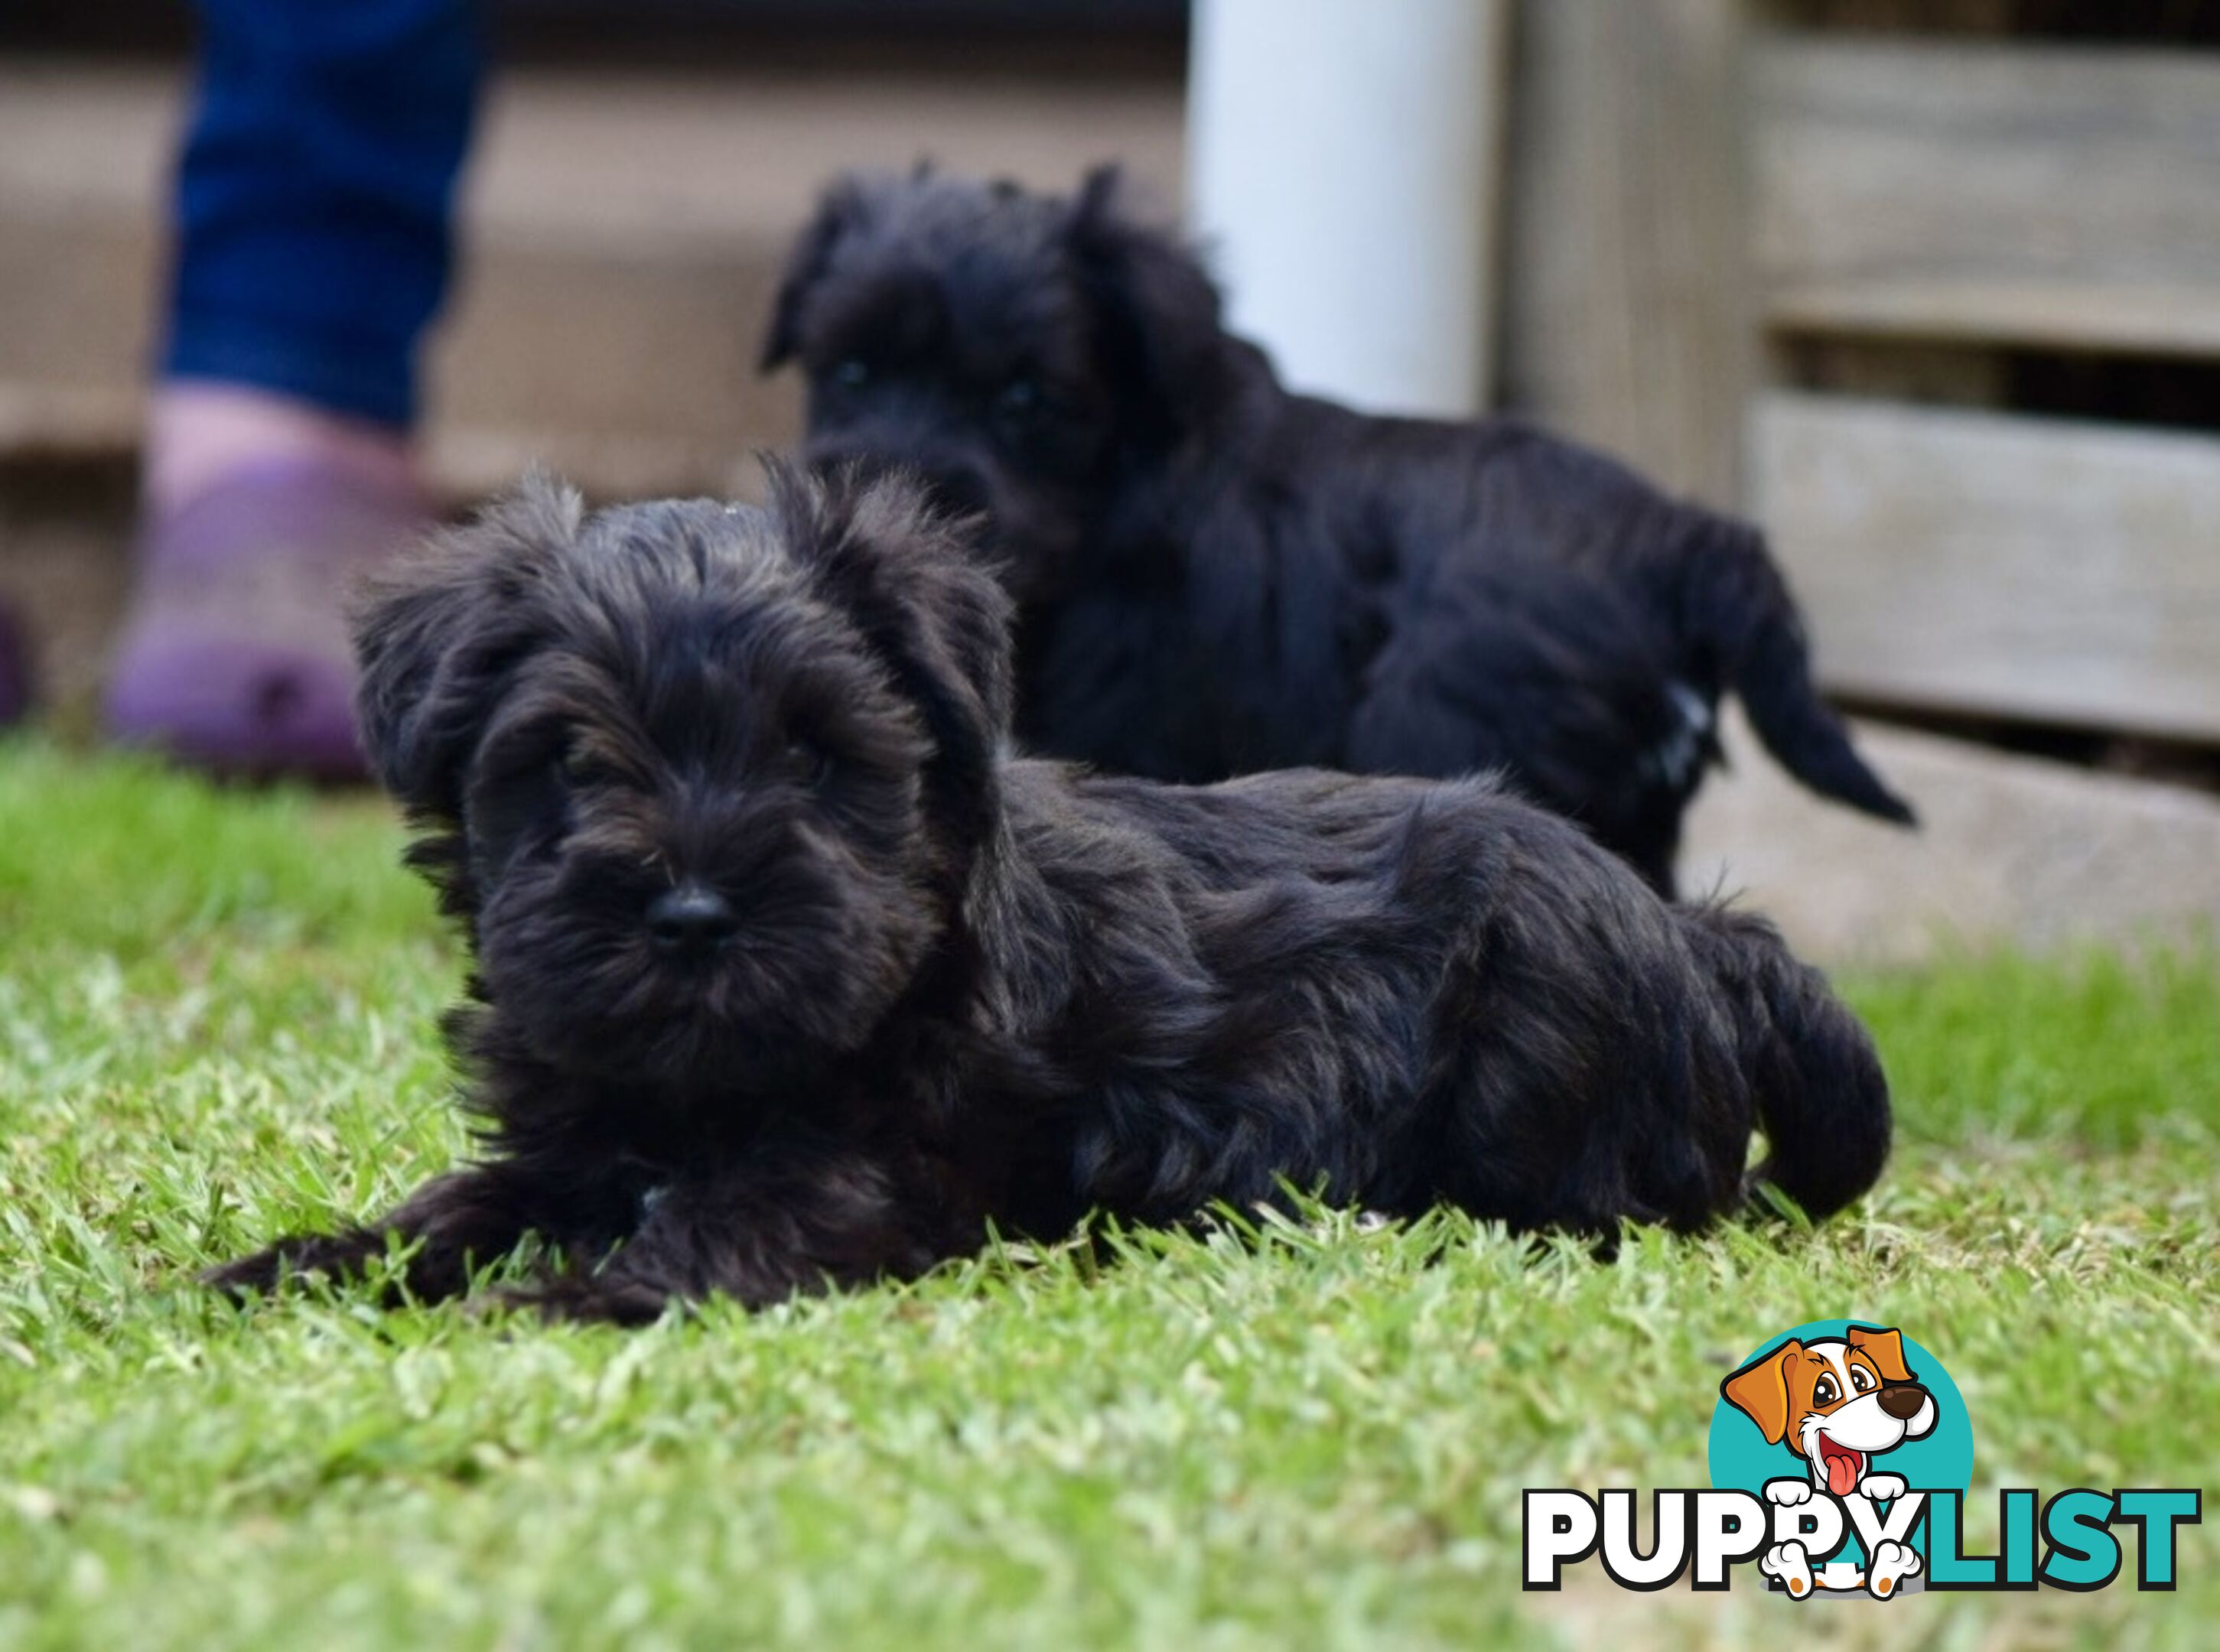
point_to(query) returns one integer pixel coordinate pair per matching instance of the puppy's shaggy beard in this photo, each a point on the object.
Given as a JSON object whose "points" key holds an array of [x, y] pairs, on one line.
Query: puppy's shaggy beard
{"points": [[828, 945]]}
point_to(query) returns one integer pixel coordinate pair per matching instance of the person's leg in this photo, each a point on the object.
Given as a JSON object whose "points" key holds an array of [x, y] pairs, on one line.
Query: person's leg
{"points": [[314, 195], [313, 239]]}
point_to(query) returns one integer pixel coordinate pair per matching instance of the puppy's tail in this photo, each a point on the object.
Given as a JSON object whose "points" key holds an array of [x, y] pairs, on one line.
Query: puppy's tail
{"points": [[1820, 1094], [1738, 606]]}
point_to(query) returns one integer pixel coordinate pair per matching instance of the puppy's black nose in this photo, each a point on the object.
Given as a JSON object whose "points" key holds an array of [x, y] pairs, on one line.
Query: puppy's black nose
{"points": [[691, 919], [1902, 1400]]}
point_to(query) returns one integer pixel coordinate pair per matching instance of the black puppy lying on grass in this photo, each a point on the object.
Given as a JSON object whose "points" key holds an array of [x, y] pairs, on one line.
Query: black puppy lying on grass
{"points": [[789, 973], [1217, 577]]}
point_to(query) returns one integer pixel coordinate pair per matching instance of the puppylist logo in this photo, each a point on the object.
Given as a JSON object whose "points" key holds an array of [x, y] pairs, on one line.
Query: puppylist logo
{"points": [[1841, 1455]]}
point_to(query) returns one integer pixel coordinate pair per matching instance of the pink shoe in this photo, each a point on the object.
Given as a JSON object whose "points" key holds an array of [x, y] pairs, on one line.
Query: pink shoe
{"points": [[235, 656]]}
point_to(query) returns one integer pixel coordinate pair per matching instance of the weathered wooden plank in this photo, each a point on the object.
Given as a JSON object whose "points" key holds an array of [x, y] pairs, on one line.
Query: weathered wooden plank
{"points": [[1998, 193], [1627, 319], [2047, 570]]}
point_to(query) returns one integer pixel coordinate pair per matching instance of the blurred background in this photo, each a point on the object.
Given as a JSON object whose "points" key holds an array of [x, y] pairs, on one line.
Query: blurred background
{"points": [[1930, 287]]}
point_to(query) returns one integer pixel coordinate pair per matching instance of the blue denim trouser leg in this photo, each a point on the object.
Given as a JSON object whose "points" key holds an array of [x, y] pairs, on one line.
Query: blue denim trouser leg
{"points": [[315, 195]]}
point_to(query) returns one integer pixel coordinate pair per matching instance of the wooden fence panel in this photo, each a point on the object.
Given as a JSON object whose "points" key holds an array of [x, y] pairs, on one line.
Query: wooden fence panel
{"points": [[2034, 568], [1996, 194]]}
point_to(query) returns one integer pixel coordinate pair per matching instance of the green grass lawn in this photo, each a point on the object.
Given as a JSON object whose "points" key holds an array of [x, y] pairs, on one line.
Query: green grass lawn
{"points": [[216, 1022]]}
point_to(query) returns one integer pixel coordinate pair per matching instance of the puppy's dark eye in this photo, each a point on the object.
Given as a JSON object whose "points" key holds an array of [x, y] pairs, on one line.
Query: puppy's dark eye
{"points": [[1019, 400], [1859, 1379], [808, 762], [851, 373], [578, 769], [1824, 1391]]}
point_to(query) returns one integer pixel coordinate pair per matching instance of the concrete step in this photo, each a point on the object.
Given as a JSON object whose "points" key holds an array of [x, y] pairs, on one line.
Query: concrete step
{"points": [[2010, 849], [623, 234]]}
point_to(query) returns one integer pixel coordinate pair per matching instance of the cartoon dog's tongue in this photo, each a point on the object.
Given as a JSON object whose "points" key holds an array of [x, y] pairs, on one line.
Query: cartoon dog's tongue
{"points": [[1842, 1467]]}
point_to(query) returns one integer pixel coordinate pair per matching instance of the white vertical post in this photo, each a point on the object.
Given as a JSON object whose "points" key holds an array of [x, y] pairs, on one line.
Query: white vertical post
{"points": [[1344, 171]]}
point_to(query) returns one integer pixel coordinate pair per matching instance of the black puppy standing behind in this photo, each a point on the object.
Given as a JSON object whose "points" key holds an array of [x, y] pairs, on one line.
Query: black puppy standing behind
{"points": [[1218, 577], [789, 973]]}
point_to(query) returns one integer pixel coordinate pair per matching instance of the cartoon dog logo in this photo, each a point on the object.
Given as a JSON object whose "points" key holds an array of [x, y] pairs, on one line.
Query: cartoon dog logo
{"points": [[1837, 1403]]}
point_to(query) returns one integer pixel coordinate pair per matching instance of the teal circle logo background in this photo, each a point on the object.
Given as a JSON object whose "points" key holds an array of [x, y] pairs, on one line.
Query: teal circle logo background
{"points": [[1941, 1461]]}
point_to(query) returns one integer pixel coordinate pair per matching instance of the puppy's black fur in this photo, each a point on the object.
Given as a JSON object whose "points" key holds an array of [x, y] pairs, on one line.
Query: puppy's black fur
{"points": [[1217, 577], [788, 972]]}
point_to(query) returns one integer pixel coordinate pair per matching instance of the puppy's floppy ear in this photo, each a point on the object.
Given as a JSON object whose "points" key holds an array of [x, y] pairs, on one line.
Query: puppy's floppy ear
{"points": [[909, 578], [1163, 339], [1760, 1390], [437, 636], [839, 209], [1885, 1348]]}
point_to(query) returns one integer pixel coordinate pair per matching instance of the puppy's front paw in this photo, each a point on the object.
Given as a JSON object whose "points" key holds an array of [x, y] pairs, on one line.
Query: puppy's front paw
{"points": [[253, 1276], [1787, 1493], [1893, 1562], [1882, 1488], [1791, 1565], [584, 1299], [333, 1256]]}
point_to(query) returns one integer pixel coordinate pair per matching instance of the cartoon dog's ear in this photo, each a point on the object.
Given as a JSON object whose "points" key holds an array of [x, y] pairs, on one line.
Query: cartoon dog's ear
{"points": [[437, 636], [839, 209], [911, 578], [1884, 1348], [1163, 339], [1760, 1390]]}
